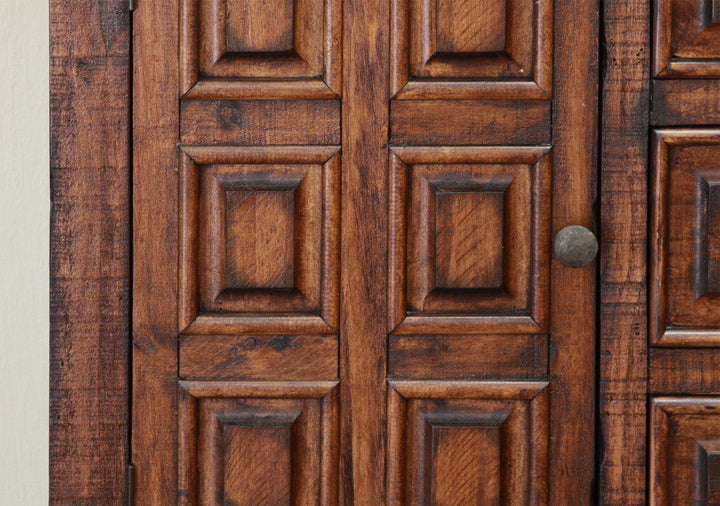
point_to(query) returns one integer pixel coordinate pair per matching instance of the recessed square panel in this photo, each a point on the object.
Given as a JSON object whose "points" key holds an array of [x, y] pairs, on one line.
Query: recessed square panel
{"points": [[685, 451], [471, 26], [470, 46], [467, 442], [687, 38], [259, 26], [260, 239], [469, 239], [685, 261], [260, 236], [249, 443], [251, 48], [469, 256]]}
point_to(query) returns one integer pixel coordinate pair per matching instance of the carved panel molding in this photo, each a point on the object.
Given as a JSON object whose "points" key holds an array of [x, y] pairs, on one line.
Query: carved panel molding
{"points": [[467, 442], [685, 238], [258, 443], [469, 240], [687, 38], [472, 48], [259, 235], [260, 48]]}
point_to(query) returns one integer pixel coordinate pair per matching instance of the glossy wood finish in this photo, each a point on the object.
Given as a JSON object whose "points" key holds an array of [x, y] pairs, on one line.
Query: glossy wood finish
{"points": [[89, 252]]}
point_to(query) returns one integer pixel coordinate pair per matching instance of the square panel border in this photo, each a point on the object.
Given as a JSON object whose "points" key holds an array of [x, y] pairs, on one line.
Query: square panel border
{"points": [[193, 321], [324, 393], [663, 433], [535, 319], [534, 396], [659, 333], [537, 85], [280, 77], [664, 65]]}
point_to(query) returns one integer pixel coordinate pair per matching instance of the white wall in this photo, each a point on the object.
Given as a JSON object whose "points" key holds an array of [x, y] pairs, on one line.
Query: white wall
{"points": [[24, 245]]}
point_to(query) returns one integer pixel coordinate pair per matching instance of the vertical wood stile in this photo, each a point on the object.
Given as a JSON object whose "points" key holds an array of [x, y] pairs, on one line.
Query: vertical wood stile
{"points": [[155, 260], [623, 290], [572, 329], [363, 333]]}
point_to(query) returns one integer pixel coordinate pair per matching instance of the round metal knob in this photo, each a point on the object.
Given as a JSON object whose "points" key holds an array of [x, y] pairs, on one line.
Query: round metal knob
{"points": [[575, 246]]}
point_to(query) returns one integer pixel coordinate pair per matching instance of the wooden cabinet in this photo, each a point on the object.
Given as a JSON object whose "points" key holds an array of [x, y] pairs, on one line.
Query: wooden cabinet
{"points": [[334, 252], [344, 288]]}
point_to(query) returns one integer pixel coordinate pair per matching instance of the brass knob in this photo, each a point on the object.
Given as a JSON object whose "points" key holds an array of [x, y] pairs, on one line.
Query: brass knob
{"points": [[575, 246]]}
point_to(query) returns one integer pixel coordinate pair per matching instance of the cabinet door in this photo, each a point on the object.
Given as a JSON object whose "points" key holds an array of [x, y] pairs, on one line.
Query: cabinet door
{"points": [[344, 289]]}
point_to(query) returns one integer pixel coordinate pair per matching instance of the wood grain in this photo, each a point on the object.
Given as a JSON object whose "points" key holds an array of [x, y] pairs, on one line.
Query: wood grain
{"points": [[471, 26], [572, 303], [685, 102], [89, 252], [260, 122], [363, 292], [468, 357], [469, 122], [259, 357], [623, 261], [684, 372], [155, 254]]}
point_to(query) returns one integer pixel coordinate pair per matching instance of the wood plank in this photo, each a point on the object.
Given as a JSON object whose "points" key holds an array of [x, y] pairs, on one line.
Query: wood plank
{"points": [[363, 346], [155, 261], [623, 291], [468, 357], [470, 122], [259, 357], [689, 371], [89, 251], [260, 122], [572, 329], [691, 102]]}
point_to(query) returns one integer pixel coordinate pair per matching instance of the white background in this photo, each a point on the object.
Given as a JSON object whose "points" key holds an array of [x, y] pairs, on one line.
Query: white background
{"points": [[24, 245]]}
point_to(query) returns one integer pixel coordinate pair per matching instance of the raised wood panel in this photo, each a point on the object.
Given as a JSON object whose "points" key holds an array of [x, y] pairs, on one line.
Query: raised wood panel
{"points": [[234, 45], [259, 233], [471, 26], [684, 371], [488, 48], [259, 237], [260, 122], [469, 122], [259, 357], [500, 357], [685, 450], [686, 102], [259, 26], [686, 39], [258, 443], [684, 296], [469, 237], [467, 442]]}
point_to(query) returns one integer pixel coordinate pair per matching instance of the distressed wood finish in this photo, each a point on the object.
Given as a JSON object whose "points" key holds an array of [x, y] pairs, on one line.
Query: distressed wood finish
{"points": [[574, 190], [155, 253], [363, 292], [89, 251], [623, 264], [684, 303], [275, 366], [684, 451]]}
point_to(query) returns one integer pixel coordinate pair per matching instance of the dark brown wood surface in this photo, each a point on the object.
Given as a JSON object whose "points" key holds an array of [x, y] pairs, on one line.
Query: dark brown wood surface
{"points": [[90, 266], [89, 251], [623, 266]]}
